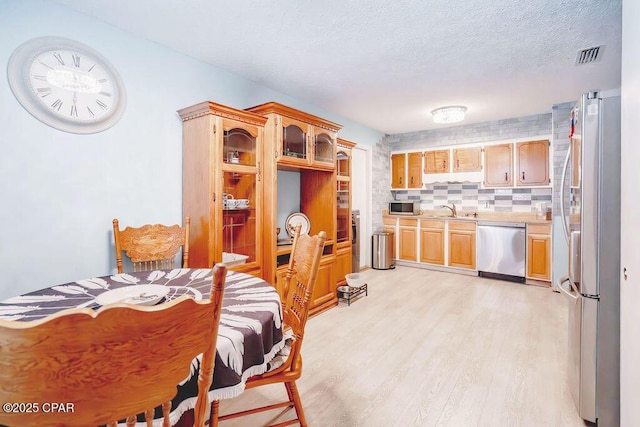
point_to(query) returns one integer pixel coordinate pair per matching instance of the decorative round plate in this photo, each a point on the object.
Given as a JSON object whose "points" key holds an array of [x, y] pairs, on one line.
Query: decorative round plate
{"points": [[295, 219], [136, 294]]}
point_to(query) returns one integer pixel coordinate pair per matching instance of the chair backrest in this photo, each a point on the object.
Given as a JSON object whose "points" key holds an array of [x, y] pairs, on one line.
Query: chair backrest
{"points": [[152, 247], [108, 364], [303, 269]]}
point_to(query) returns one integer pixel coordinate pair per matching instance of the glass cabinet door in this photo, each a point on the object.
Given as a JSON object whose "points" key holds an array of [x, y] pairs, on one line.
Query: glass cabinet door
{"points": [[239, 219], [342, 163], [239, 147], [323, 148], [344, 217], [294, 142]]}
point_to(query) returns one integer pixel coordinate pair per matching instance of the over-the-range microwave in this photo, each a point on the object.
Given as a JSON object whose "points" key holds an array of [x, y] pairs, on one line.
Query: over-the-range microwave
{"points": [[404, 207]]}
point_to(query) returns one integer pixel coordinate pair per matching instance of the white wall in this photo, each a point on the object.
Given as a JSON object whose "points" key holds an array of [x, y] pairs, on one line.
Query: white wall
{"points": [[59, 191], [630, 225], [361, 198], [288, 199]]}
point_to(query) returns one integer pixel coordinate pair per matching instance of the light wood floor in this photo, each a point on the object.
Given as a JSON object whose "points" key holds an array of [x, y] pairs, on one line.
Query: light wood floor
{"points": [[428, 348]]}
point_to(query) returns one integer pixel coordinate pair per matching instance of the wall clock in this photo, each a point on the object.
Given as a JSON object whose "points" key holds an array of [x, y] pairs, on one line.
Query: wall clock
{"points": [[66, 85]]}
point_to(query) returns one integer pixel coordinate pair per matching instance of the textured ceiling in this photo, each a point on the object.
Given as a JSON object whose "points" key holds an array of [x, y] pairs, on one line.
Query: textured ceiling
{"points": [[388, 64]]}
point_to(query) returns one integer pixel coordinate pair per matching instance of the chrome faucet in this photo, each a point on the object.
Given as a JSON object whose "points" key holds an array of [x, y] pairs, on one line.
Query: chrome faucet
{"points": [[452, 208]]}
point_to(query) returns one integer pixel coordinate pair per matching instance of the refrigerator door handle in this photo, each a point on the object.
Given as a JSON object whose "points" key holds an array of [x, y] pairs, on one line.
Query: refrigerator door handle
{"points": [[562, 184], [569, 294], [574, 257]]}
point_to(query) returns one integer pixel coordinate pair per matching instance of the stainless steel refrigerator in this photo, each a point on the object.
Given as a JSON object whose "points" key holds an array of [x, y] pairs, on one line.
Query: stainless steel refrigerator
{"points": [[593, 233]]}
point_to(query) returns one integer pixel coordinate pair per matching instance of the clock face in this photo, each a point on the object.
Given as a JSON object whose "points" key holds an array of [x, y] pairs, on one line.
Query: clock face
{"points": [[66, 85]]}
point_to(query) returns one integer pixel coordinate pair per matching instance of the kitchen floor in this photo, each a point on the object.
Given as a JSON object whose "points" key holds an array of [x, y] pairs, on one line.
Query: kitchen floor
{"points": [[428, 348]]}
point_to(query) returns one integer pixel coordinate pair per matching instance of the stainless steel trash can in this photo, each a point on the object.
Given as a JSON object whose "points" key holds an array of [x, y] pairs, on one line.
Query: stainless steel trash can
{"points": [[383, 250]]}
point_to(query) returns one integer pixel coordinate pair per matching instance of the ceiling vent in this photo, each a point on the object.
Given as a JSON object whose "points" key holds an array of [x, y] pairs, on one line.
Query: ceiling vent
{"points": [[589, 55]]}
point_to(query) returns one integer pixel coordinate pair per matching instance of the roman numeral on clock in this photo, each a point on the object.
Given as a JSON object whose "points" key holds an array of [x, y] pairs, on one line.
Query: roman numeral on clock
{"points": [[58, 57], [45, 65], [44, 91], [76, 60], [57, 104], [101, 104], [74, 111]]}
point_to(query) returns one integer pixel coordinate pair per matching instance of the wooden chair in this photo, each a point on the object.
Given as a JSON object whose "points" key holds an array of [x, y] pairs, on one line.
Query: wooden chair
{"points": [[110, 364], [305, 260], [152, 247]]}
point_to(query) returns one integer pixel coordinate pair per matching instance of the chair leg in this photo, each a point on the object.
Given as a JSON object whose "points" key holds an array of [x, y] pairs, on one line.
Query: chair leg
{"points": [[215, 411], [292, 391]]}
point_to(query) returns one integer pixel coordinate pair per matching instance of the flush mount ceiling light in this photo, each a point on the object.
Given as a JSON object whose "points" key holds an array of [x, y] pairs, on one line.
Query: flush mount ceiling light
{"points": [[451, 114]]}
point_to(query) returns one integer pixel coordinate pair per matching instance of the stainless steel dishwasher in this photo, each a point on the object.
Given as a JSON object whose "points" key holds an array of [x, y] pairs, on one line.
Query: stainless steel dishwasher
{"points": [[501, 250]]}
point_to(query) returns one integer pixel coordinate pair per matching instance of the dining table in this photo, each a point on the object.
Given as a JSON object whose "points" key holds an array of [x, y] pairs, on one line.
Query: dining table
{"points": [[250, 334]]}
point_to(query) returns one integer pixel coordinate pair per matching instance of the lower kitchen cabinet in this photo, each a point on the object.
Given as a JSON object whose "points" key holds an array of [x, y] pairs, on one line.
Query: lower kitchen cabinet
{"points": [[462, 244], [432, 242], [539, 252], [408, 239]]}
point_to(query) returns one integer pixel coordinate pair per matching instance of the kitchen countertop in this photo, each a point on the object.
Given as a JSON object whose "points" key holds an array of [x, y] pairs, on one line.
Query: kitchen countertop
{"points": [[529, 218]]}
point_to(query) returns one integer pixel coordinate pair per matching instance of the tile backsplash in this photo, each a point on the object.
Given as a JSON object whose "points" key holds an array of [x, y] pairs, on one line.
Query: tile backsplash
{"points": [[471, 197]]}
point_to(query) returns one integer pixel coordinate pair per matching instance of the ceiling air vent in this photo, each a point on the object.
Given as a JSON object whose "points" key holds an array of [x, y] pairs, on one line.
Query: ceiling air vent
{"points": [[589, 55]]}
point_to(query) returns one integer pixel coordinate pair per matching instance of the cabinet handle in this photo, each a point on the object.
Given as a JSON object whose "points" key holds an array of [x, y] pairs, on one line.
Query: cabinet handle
{"points": [[523, 175], [412, 180], [457, 163], [400, 180], [506, 177]]}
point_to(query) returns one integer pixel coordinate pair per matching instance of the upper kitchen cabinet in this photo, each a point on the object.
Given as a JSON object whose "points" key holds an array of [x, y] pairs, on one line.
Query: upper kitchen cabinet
{"points": [[414, 177], [406, 170], [467, 159], [302, 140], [532, 163], [498, 165], [222, 188], [436, 161], [398, 170]]}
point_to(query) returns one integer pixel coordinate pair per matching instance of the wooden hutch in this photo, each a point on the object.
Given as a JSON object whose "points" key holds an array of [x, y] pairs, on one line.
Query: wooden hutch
{"points": [[344, 232], [222, 151], [299, 142], [231, 160]]}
